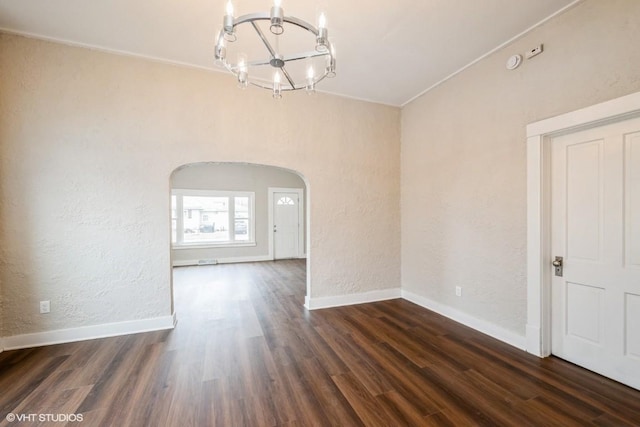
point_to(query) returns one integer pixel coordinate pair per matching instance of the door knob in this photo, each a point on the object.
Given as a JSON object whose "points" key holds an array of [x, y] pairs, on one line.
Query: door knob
{"points": [[558, 264]]}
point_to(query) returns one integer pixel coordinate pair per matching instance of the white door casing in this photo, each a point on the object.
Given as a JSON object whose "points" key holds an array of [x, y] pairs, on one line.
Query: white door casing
{"points": [[538, 328], [595, 227], [285, 222]]}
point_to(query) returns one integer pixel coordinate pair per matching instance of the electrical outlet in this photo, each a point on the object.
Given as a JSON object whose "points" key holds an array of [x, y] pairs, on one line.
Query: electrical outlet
{"points": [[533, 52], [45, 307], [458, 291]]}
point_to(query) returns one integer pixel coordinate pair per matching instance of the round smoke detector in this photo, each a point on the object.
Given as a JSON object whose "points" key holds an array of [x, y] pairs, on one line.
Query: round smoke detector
{"points": [[514, 62]]}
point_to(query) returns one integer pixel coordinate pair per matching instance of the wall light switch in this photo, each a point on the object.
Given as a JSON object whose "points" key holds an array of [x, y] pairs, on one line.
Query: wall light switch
{"points": [[458, 291]]}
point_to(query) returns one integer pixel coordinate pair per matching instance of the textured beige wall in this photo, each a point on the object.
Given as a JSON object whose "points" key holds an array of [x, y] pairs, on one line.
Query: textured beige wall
{"points": [[88, 143], [235, 177], [464, 161]]}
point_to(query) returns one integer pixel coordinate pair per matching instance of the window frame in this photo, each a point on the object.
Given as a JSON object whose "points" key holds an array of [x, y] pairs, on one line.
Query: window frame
{"points": [[181, 244]]}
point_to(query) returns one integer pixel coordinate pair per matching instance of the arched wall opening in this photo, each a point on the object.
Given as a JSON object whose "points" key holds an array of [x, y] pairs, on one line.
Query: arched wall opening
{"points": [[202, 235]]}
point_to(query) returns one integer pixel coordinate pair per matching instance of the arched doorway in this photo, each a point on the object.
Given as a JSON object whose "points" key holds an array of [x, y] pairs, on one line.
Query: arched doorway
{"points": [[223, 212]]}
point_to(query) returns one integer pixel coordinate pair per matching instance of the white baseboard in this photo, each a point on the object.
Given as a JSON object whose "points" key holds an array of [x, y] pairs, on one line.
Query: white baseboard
{"points": [[479, 325], [61, 336], [169, 322], [350, 299], [230, 260]]}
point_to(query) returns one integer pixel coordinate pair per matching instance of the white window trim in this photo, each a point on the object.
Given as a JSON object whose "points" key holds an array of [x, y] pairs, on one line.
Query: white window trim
{"points": [[180, 244], [539, 135]]}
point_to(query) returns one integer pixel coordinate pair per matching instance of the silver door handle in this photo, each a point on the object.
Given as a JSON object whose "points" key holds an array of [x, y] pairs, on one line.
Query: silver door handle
{"points": [[558, 265]]}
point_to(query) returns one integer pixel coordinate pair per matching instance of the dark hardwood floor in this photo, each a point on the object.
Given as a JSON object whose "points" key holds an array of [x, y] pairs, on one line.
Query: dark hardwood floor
{"points": [[246, 353]]}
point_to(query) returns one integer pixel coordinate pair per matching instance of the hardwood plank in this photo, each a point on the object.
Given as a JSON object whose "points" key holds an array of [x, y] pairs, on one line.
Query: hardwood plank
{"points": [[507, 375], [502, 398], [328, 395], [399, 410], [322, 351], [406, 378], [448, 418], [366, 370], [42, 392], [24, 379], [613, 420], [389, 333], [456, 398], [555, 414], [360, 400], [306, 406], [554, 377]]}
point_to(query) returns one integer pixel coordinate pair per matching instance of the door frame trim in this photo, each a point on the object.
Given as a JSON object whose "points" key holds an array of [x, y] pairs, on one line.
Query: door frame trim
{"points": [[301, 218], [539, 136]]}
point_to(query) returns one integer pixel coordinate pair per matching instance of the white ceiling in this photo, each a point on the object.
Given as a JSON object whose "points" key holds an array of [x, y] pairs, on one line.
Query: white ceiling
{"points": [[387, 52]]}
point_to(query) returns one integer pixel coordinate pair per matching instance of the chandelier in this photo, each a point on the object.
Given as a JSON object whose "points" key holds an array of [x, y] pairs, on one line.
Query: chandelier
{"points": [[258, 51]]}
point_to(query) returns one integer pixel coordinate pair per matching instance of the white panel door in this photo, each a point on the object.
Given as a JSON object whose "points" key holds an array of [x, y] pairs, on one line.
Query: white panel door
{"points": [[596, 229], [286, 226]]}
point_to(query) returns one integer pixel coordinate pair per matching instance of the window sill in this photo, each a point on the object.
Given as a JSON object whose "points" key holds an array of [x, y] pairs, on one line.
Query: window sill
{"points": [[213, 245]]}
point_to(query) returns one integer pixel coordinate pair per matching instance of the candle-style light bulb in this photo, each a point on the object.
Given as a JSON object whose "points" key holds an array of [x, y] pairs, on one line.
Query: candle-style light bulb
{"points": [[243, 73], [311, 85], [322, 21], [331, 66], [277, 91], [220, 51], [227, 23], [277, 18], [321, 38]]}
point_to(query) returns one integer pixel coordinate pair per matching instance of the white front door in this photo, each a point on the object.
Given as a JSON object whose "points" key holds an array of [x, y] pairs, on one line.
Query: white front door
{"points": [[596, 230], [286, 224]]}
